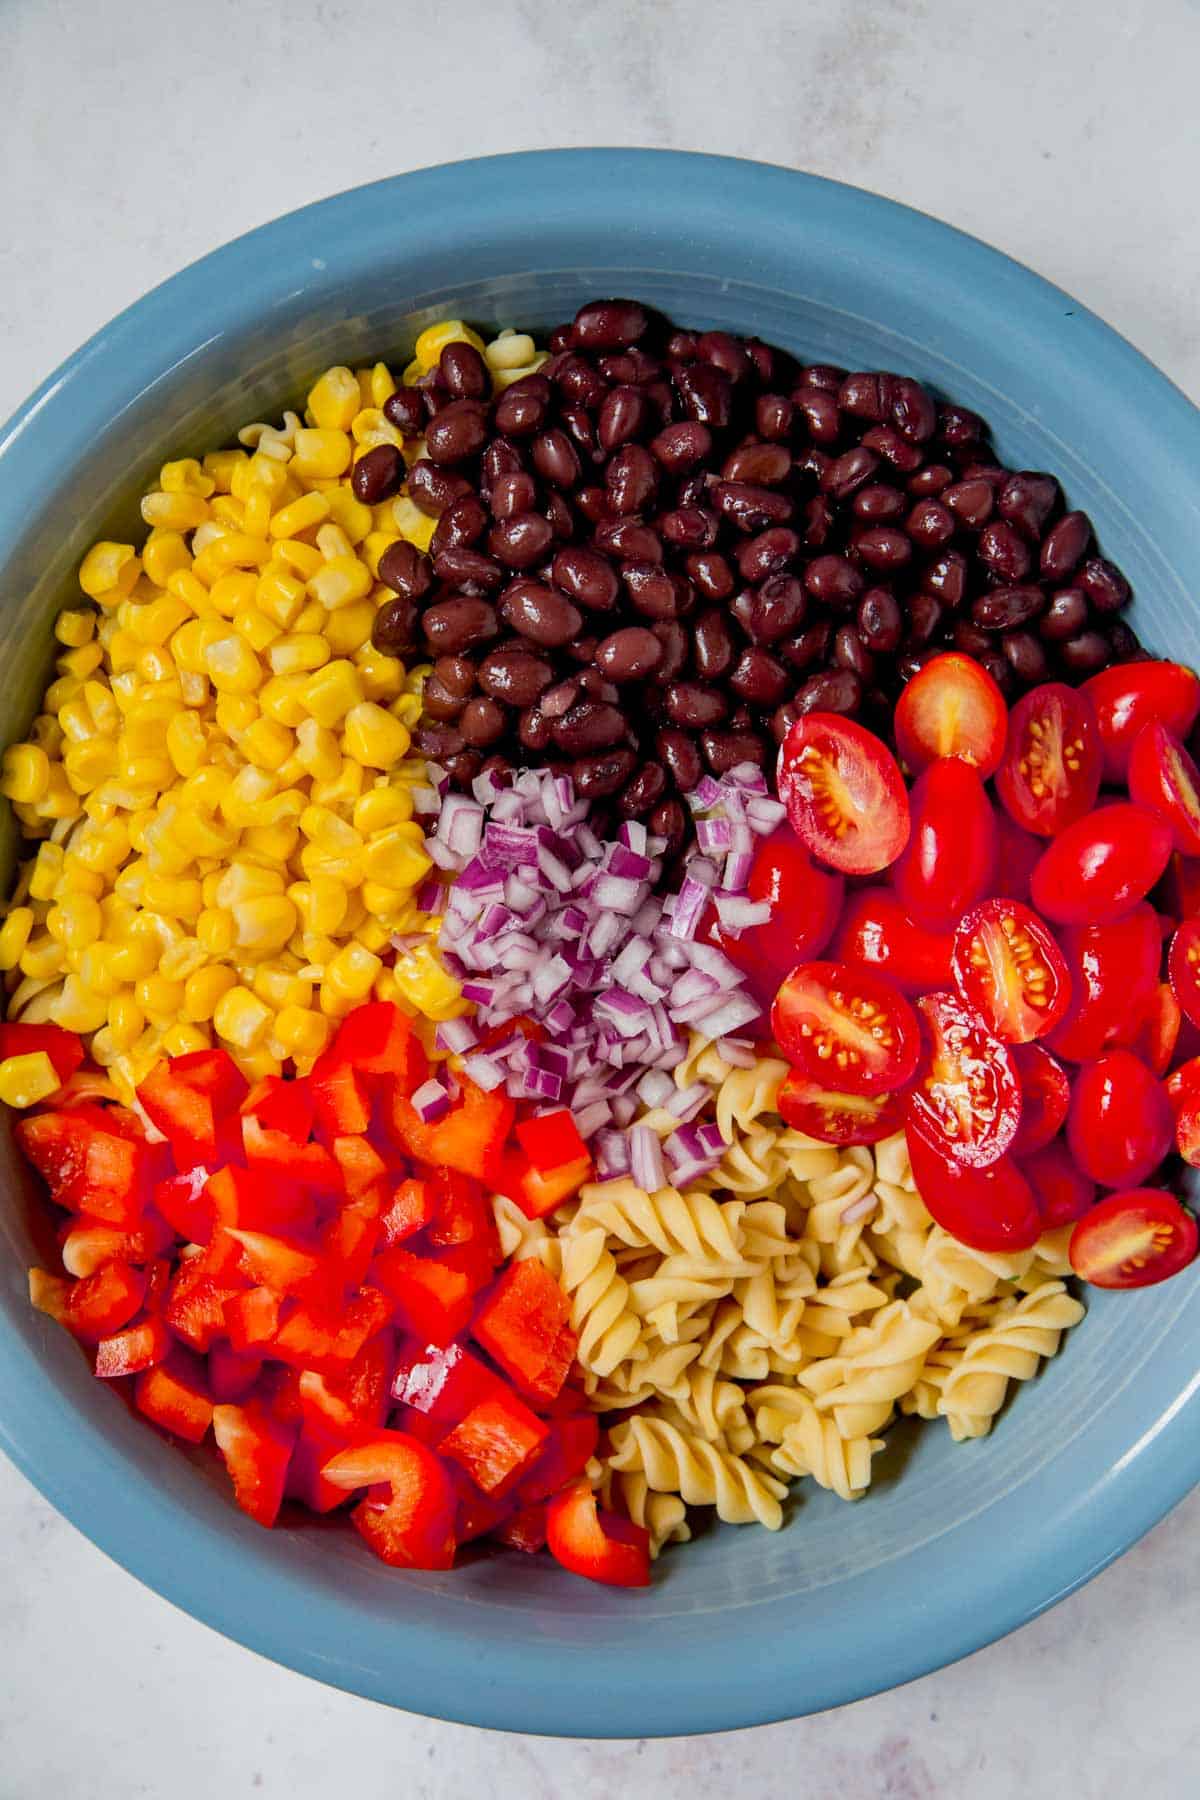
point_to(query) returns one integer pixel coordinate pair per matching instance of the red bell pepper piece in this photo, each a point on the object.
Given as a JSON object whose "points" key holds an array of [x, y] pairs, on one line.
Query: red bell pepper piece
{"points": [[231, 1373], [282, 1105], [359, 1395], [87, 1244], [469, 1138], [474, 1260], [495, 1441], [565, 1454], [378, 1039], [175, 1396], [256, 1200], [479, 1514], [340, 1094], [523, 1326], [256, 1448], [90, 1161], [410, 1210], [64, 1048], [185, 1206], [435, 1301], [361, 1165], [312, 1337], [524, 1529], [213, 1072], [101, 1303], [130, 1351], [279, 1392], [537, 1192], [282, 1264], [444, 1382], [463, 1215], [184, 1113], [551, 1141], [414, 1528], [348, 1240], [316, 1444], [200, 1290], [251, 1319], [277, 1157], [599, 1545], [368, 1312]]}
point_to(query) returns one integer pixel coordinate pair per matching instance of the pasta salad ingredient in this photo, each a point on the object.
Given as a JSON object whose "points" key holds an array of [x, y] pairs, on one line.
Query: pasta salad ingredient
{"points": [[1133, 1239], [844, 794], [951, 707]]}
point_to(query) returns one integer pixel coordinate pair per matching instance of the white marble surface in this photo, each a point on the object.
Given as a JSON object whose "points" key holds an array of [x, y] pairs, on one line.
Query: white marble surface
{"points": [[135, 137]]}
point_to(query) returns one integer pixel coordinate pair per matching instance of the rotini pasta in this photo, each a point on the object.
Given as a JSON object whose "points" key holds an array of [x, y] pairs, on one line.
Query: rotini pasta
{"points": [[674, 1461]]}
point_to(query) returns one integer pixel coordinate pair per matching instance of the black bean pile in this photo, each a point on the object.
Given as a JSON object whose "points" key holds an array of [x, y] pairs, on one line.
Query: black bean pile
{"points": [[655, 553]]}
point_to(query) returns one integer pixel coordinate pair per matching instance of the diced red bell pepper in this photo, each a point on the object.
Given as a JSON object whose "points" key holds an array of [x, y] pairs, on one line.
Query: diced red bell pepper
{"points": [[378, 1039], [495, 1441], [474, 1260], [310, 1337], [348, 1240], [419, 1425], [536, 1192], [64, 1048], [175, 1396], [415, 1528], [444, 1382], [524, 1529], [251, 1319], [279, 1391], [599, 1545], [565, 1454], [101, 1303], [435, 1301], [469, 1138], [340, 1094], [256, 1448], [361, 1165], [185, 1206], [523, 1326], [282, 1105], [130, 1351], [158, 1280], [255, 1200], [463, 1215], [551, 1141], [183, 1112], [213, 1072], [276, 1156], [478, 1514], [231, 1373], [201, 1289], [359, 1395], [368, 1312], [410, 1210], [87, 1244], [282, 1264], [317, 1443], [89, 1162]]}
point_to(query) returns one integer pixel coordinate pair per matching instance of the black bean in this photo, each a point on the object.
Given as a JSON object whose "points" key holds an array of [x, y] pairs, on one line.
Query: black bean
{"points": [[482, 721], [690, 527], [759, 678], [1064, 545], [628, 654], [770, 553], [880, 620], [523, 407], [405, 409], [1004, 608], [513, 494], [1005, 551], [559, 515], [947, 577], [924, 620], [597, 776], [469, 571], [970, 640], [773, 416], [725, 352], [848, 472], [886, 441], [630, 540], [882, 547], [823, 375], [500, 458], [930, 524], [1104, 585], [591, 502], [958, 427], [1123, 642], [577, 381], [1026, 657], [833, 690], [624, 416], [1085, 653], [725, 750], [865, 395], [440, 741], [807, 646], [930, 481], [850, 652], [521, 540], [692, 704], [644, 791], [459, 527], [514, 674], [913, 410], [878, 504], [559, 699], [971, 502], [682, 447], [555, 458], [589, 725], [675, 642], [655, 592], [833, 581], [1026, 500], [438, 701], [378, 475], [677, 750], [433, 489], [533, 729], [458, 433], [464, 372], [610, 324], [668, 821], [631, 479], [404, 569], [817, 410], [712, 645], [579, 427], [458, 624], [394, 630], [817, 522], [710, 574], [763, 465], [705, 393], [540, 614]]}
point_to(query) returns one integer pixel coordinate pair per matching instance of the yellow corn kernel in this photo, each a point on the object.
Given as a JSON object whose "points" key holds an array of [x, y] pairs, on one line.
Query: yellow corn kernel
{"points": [[47, 867], [511, 350], [187, 742], [184, 585], [256, 510], [348, 629], [235, 550], [299, 515], [75, 921], [342, 792], [181, 1040], [203, 989], [227, 512], [81, 663], [395, 860], [280, 698], [380, 808], [279, 594], [263, 925], [223, 466], [382, 676], [302, 1031], [311, 620], [342, 581], [77, 1008], [303, 559], [158, 620], [334, 398], [267, 743], [126, 1022], [321, 453], [232, 666], [350, 514], [268, 473], [14, 935], [257, 629], [504, 378], [25, 774], [434, 338], [173, 512], [236, 713], [186, 477], [374, 545], [94, 966], [332, 691], [159, 998], [101, 846], [181, 959], [215, 930], [233, 593], [272, 844], [297, 652], [372, 934], [372, 427], [412, 523], [382, 384], [24, 1080], [59, 801], [75, 626], [246, 881], [109, 571], [373, 737], [176, 895], [163, 554], [191, 642], [321, 903], [352, 971], [317, 750], [42, 957], [425, 984], [241, 1018]]}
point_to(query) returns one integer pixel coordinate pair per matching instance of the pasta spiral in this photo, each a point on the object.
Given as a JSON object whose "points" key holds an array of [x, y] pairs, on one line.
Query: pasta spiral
{"points": [[692, 1224], [1011, 1349], [680, 1462], [601, 1318]]}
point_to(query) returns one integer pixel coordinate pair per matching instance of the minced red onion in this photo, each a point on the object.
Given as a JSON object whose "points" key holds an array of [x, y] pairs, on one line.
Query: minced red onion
{"points": [[431, 1101]]}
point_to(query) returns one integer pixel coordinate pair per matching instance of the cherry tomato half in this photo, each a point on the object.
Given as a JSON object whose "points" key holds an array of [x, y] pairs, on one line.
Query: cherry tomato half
{"points": [[1133, 1239], [806, 904], [988, 1209], [876, 930], [1183, 1093], [1009, 968], [1181, 887], [1113, 971], [951, 707], [1158, 1032], [1130, 695], [967, 1098], [951, 853], [1100, 867], [838, 1118], [844, 793], [1164, 779], [845, 1027], [1050, 775], [1183, 968], [1017, 853], [1064, 1192], [1045, 1097], [1119, 1123]]}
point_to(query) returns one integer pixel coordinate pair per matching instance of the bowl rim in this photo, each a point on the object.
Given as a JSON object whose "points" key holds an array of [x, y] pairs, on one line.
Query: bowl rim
{"points": [[221, 1580]]}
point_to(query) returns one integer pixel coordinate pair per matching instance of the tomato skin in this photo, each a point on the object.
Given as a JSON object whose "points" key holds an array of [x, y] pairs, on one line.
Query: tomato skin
{"points": [[806, 905], [1183, 1093], [951, 852], [967, 1099], [1050, 775], [1017, 853], [1164, 779], [818, 1023], [1133, 1239], [951, 707], [876, 931], [1181, 886], [1183, 968], [1064, 1192], [1045, 1097], [1100, 867], [1119, 1125], [1009, 968], [826, 759], [836, 1117], [1129, 696], [986, 1209], [1113, 971], [1158, 1030]]}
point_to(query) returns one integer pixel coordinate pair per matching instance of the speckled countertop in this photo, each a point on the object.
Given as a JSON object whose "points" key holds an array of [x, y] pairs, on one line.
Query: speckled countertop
{"points": [[133, 139]]}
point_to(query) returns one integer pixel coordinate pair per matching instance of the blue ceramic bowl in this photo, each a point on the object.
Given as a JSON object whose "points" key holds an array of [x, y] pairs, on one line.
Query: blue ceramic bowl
{"points": [[955, 1544]]}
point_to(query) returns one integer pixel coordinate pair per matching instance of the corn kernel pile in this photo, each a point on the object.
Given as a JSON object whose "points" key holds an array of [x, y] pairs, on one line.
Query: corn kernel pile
{"points": [[220, 775]]}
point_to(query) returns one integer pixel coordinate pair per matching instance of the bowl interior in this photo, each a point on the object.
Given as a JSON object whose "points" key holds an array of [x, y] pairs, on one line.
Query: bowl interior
{"points": [[954, 1543]]}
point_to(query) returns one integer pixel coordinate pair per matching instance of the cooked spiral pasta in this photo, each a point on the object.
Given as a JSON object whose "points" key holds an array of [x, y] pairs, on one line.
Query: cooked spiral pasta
{"points": [[680, 1462], [688, 1224], [601, 1317], [746, 1095], [664, 1516], [812, 1445], [1011, 1349]]}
